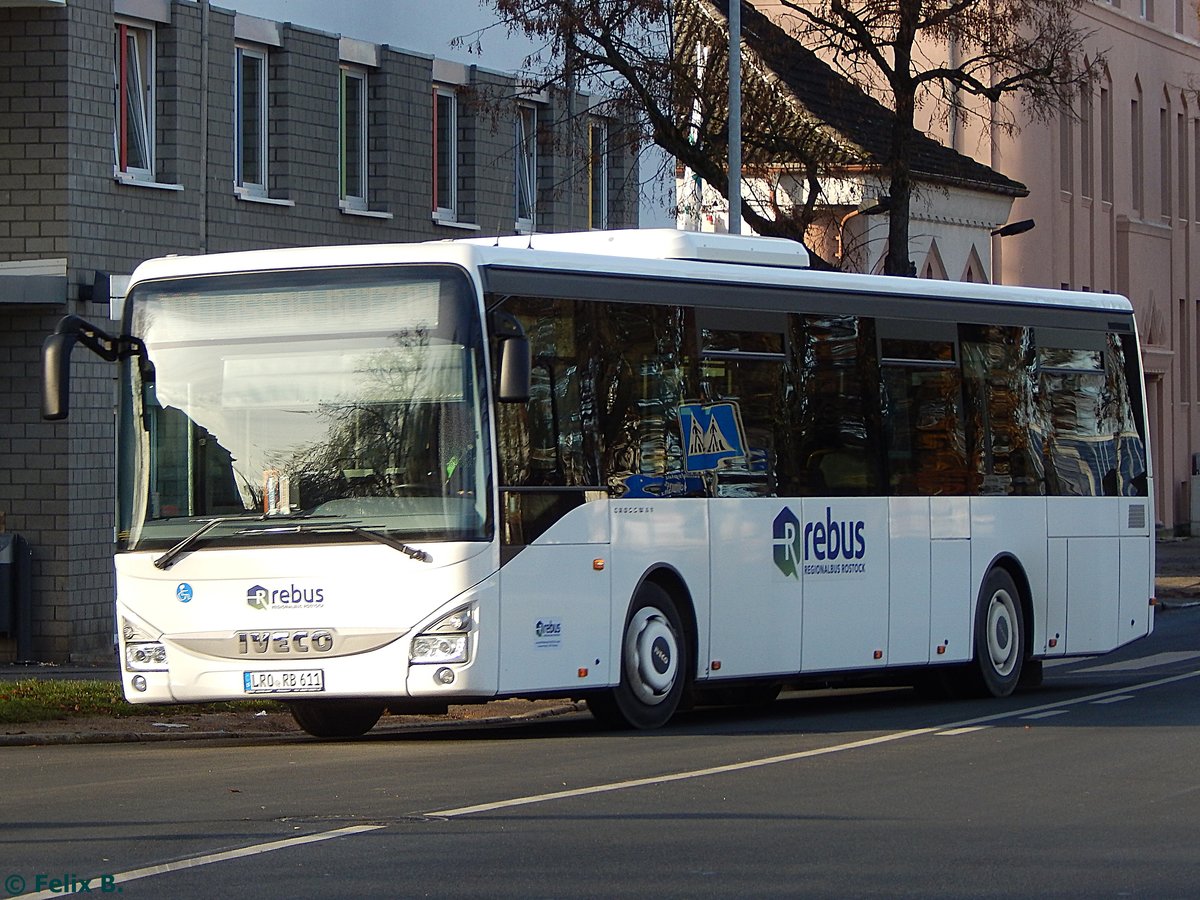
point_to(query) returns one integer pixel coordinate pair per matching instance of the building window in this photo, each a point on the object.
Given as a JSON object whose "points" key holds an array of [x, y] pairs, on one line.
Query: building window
{"points": [[1085, 143], [445, 154], [1135, 154], [353, 150], [598, 175], [251, 124], [1164, 162], [1106, 145], [1181, 153], [1196, 166], [133, 76], [1066, 150], [527, 161]]}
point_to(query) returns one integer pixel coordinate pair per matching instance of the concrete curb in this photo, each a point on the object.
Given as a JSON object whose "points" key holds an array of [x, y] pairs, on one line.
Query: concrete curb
{"points": [[154, 737]]}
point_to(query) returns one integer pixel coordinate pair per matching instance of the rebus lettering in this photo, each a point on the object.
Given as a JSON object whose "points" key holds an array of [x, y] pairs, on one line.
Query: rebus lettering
{"points": [[829, 539]]}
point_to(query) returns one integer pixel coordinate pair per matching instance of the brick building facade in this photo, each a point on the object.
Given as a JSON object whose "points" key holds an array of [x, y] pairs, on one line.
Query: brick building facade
{"points": [[139, 128]]}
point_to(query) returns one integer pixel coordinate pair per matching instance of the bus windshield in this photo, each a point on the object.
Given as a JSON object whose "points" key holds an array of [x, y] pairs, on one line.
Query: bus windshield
{"points": [[346, 402]]}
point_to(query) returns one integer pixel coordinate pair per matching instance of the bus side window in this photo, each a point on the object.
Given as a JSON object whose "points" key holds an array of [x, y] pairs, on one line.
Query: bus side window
{"points": [[1007, 427], [743, 356], [643, 357], [1085, 398], [922, 408], [544, 443], [832, 408]]}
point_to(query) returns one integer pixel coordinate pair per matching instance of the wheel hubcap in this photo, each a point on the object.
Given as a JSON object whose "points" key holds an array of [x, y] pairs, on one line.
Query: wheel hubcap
{"points": [[1002, 633], [651, 655]]}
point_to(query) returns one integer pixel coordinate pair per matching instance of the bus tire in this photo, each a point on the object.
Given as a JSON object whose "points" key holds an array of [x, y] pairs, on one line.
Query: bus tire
{"points": [[654, 665], [336, 718], [999, 635]]}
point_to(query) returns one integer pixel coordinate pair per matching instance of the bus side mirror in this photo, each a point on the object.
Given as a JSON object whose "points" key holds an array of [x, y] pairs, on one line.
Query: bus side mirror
{"points": [[515, 359], [56, 359], [56, 374]]}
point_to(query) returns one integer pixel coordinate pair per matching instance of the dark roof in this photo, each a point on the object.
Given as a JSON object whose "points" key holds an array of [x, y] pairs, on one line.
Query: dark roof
{"points": [[848, 110]]}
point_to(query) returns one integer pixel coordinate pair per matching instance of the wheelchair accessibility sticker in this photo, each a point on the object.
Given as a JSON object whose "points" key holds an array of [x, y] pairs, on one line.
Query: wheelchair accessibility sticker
{"points": [[711, 434]]}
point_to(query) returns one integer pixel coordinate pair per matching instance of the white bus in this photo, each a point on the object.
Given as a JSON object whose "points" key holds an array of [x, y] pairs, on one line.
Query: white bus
{"points": [[640, 468]]}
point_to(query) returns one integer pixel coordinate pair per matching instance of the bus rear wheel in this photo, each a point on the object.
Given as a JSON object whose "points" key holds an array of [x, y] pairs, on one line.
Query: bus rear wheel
{"points": [[336, 718], [654, 665], [999, 635]]}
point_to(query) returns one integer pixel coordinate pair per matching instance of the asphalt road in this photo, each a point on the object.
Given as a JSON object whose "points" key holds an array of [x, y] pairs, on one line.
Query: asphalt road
{"points": [[1088, 787]]}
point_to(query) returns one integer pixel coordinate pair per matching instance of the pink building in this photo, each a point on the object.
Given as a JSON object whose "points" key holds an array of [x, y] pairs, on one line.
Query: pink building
{"points": [[1114, 188]]}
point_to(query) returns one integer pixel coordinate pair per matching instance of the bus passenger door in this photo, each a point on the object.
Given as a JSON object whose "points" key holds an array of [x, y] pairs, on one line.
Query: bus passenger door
{"points": [[757, 597], [555, 597], [845, 552]]}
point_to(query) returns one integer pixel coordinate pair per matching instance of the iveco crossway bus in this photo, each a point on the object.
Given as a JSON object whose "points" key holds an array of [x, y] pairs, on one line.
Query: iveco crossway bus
{"points": [[638, 468]]}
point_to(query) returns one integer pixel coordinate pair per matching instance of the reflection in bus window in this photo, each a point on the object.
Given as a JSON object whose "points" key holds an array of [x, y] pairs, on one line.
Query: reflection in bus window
{"points": [[1093, 447], [1006, 422], [835, 418], [922, 412]]}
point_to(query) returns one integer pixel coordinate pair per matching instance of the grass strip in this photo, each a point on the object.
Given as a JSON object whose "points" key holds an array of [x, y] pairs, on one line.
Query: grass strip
{"points": [[35, 700]]}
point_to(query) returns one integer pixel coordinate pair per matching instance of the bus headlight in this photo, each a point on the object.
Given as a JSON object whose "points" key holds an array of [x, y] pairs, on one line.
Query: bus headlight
{"points": [[446, 641], [146, 657]]}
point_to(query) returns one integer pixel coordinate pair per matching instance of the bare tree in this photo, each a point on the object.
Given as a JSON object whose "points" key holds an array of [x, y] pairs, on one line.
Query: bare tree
{"points": [[662, 64], [966, 57]]}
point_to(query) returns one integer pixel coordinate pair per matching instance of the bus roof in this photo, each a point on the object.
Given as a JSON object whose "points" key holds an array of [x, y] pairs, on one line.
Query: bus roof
{"points": [[645, 253]]}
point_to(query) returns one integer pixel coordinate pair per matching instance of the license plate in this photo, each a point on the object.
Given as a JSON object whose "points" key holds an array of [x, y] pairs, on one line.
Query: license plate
{"points": [[298, 681]]}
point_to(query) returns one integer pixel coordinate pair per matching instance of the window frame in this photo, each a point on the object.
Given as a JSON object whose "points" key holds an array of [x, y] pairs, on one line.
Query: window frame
{"points": [[142, 33], [525, 154], [445, 133], [346, 154], [243, 184], [598, 171]]}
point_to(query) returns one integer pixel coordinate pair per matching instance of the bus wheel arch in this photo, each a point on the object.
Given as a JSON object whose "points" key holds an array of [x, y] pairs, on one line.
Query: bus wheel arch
{"points": [[657, 656], [1003, 620]]}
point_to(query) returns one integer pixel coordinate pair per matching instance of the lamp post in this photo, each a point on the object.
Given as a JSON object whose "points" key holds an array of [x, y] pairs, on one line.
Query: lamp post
{"points": [[735, 117]]}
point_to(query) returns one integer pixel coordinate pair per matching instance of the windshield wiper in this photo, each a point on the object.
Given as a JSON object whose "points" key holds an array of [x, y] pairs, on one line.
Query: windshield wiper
{"points": [[395, 543], [359, 530], [168, 559]]}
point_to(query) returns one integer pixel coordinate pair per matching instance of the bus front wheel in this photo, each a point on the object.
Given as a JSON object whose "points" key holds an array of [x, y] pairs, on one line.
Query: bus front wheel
{"points": [[999, 635], [654, 665], [336, 718]]}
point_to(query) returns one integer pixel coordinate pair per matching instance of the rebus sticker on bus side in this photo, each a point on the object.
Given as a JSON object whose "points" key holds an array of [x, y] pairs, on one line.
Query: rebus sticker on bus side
{"points": [[827, 546]]}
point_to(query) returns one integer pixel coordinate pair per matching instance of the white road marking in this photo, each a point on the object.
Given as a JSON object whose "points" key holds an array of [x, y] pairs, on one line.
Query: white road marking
{"points": [[954, 732], [793, 757], [1112, 699], [962, 728], [193, 862], [1145, 662], [1046, 714]]}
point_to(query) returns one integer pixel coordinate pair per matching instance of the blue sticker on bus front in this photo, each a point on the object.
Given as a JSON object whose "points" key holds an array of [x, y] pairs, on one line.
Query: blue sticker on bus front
{"points": [[184, 592], [710, 434]]}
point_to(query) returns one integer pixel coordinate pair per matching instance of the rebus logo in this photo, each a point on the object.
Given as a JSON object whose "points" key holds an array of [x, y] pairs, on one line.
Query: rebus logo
{"points": [[259, 597], [820, 547]]}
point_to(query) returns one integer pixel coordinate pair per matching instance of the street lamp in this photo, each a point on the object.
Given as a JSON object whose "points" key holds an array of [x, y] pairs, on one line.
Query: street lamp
{"points": [[1012, 228], [866, 207]]}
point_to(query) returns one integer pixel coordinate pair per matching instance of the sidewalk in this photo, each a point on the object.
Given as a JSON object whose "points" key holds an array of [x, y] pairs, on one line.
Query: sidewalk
{"points": [[1177, 572]]}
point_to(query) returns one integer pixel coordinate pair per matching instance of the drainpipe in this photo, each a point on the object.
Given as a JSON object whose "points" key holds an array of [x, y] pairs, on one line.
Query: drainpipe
{"points": [[204, 26]]}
